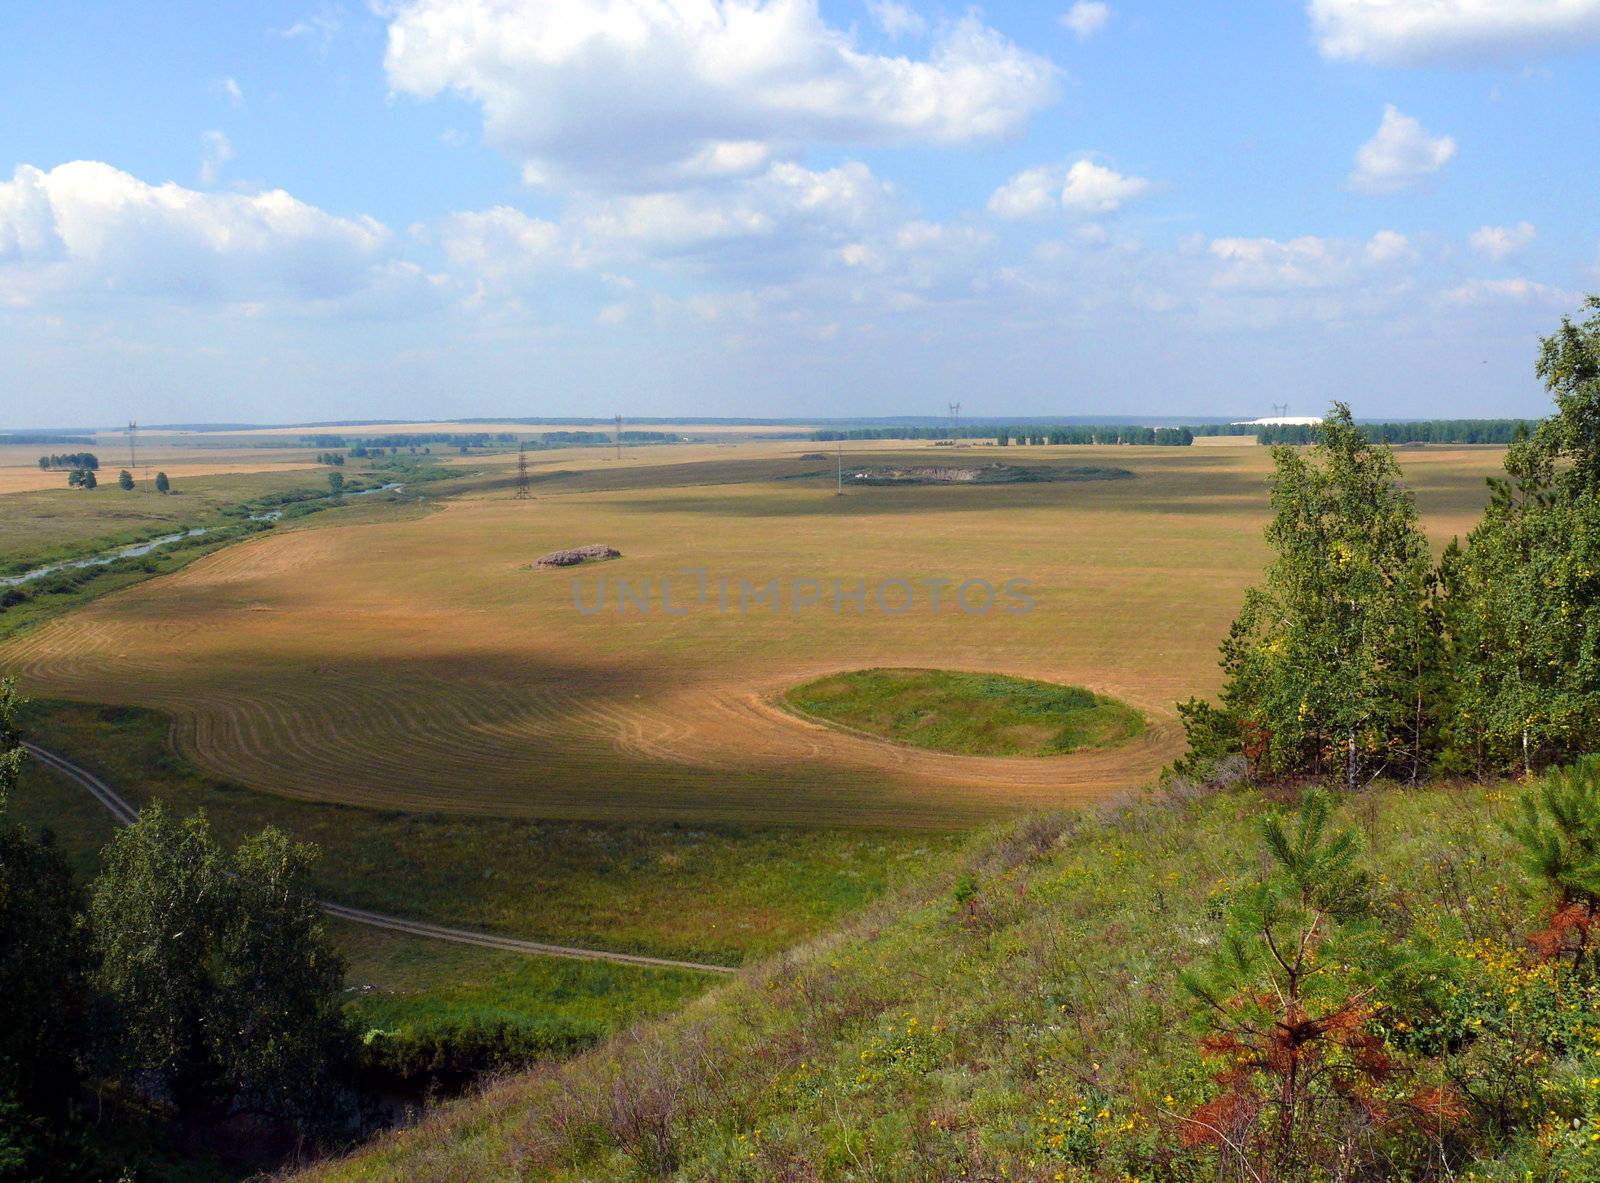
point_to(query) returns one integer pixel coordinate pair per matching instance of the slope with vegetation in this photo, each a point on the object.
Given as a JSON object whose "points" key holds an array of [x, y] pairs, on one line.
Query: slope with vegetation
{"points": [[1400, 981], [1160, 991]]}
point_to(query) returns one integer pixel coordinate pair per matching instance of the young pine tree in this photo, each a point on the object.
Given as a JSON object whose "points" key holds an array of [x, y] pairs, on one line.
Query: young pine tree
{"points": [[1291, 1006]]}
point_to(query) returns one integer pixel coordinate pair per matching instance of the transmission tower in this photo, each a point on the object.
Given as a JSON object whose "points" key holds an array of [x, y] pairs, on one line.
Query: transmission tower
{"points": [[522, 471], [619, 437], [133, 449], [839, 492], [1280, 409], [955, 421]]}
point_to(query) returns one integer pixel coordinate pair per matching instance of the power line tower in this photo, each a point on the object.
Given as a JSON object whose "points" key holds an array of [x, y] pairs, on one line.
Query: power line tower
{"points": [[619, 437], [839, 492], [1280, 409], [133, 449], [955, 421], [522, 471]]}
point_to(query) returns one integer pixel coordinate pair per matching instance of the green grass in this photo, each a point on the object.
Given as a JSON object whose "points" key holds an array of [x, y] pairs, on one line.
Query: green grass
{"points": [[49, 525], [723, 894], [969, 714], [1032, 1028], [402, 983], [28, 604]]}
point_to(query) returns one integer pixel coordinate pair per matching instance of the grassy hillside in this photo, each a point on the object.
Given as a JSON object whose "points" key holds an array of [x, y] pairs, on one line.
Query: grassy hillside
{"points": [[1020, 1017]]}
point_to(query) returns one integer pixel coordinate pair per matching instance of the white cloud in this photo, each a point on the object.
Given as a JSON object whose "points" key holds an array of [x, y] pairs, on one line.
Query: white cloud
{"points": [[1305, 263], [1443, 32], [502, 242], [897, 20], [1401, 155], [215, 151], [1389, 246], [1086, 18], [87, 229], [787, 201], [1501, 242], [1094, 189], [627, 93], [1516, 291], [229, 89], [1082, 188]]}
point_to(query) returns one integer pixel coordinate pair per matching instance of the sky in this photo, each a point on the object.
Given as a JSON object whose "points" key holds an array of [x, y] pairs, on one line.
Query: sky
{"points": [[297, 211]]}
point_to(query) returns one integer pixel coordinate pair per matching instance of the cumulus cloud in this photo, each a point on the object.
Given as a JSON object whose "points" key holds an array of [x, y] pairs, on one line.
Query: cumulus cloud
{"points": [[788, 200], [1086, 18], [502, 242], [1308, 262], [625, 94], [1501, 242], [1081, 188], [86, 228], [1401, 155], [1444, 32]]}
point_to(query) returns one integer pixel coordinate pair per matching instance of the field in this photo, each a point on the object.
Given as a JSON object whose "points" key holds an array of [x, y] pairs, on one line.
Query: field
{"points": [[420, 664]]}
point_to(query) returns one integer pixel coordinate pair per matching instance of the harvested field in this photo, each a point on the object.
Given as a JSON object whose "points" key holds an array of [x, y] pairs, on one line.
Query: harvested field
{"points": [[416, 664]]}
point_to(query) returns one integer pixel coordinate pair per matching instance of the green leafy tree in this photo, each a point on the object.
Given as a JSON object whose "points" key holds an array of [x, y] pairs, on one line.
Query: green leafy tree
{"points": [[163, 485], [44, 961], [1329, 662], [12, 753], [278, 1028], [1522, 599], [87, 479], [125, 480], [159, 897], [336, 483], [225, 988]]}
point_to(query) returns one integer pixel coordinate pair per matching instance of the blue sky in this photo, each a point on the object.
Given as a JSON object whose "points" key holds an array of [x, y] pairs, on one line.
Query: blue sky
{"points": [[422, 208]]}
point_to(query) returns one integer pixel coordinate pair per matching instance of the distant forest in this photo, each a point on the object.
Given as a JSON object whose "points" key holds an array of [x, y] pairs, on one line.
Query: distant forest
{"points": [[1017, 435], [1422, 431]]}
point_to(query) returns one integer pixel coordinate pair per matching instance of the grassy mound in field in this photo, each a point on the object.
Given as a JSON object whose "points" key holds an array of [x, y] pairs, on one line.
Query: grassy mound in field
{"points": [[1020, 1016], [965, 713]]}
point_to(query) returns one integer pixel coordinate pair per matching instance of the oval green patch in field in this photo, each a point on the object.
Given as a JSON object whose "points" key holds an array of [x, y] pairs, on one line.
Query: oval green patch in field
{"points": [[965, 713]]}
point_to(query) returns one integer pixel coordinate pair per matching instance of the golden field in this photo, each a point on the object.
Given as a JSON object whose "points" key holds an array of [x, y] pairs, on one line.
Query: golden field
{"points": [[420, 664]]}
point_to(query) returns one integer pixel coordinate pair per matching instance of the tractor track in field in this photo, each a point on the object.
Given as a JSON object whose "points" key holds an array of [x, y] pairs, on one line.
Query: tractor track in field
{"points": [[125, 814]]}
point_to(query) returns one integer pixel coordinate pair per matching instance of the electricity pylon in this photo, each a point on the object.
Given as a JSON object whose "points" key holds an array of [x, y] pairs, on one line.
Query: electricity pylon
{"points": [[522, 471]]}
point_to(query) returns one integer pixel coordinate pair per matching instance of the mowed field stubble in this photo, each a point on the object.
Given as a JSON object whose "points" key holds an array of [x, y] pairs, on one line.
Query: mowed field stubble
{"points": [[422, 665]]}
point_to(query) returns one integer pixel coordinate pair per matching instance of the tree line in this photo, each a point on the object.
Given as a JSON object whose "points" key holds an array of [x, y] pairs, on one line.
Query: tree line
{"points": [[1427, 431], [1180, 437], [86, 460], [1360, 655], [1177, 436]]}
